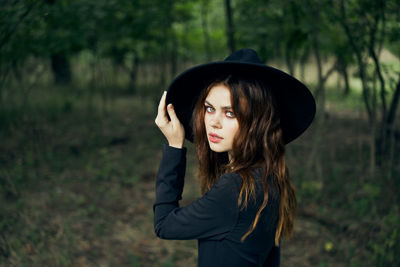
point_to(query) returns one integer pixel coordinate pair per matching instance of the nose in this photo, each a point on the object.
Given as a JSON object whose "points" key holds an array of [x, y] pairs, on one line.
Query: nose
{"points": [[215, 121]]}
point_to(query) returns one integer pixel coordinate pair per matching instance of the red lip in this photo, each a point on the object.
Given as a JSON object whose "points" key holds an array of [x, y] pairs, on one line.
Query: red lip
{"points": [[215, 135], [215, 138]]}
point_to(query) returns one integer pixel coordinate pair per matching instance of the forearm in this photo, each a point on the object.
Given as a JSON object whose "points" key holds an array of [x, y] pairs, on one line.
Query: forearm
{"points": [[169, 184]]}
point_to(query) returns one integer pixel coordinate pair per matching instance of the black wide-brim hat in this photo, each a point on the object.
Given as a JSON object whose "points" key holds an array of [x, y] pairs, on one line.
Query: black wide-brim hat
{"points": [[294, 100]]}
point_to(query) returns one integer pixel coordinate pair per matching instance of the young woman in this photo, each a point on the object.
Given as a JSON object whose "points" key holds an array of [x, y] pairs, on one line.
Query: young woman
{"points": [[240, 114]]}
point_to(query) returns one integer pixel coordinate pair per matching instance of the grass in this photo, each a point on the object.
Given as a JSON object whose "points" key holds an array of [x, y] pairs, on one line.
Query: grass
{"points": [[77, 186]]}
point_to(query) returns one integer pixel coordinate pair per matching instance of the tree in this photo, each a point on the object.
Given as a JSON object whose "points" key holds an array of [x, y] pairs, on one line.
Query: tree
{"points": [[230, 30], [204, 24], [364, 23]]}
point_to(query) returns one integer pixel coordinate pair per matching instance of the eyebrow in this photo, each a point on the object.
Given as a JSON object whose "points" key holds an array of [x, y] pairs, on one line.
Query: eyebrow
{"points": [[225, 107]]}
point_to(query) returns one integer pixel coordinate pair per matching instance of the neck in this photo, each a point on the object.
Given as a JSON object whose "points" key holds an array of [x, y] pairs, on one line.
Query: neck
{"points": [[230, 156]]}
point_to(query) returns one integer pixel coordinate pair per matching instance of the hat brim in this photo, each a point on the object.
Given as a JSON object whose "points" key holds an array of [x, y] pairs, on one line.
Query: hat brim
{"points": [[295, 102]]}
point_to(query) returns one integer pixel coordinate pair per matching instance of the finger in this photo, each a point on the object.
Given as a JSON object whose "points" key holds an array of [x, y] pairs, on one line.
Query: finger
{"points": [[172, 114], [161, 106]]}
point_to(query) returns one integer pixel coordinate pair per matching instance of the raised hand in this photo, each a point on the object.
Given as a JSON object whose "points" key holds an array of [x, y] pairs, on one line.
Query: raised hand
{"points": [[172, 129]]}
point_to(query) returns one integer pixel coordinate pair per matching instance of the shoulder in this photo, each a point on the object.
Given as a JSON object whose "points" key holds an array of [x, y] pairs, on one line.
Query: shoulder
{"points": [[227, 187], [258, 174], [234, 180], [229, 179]]}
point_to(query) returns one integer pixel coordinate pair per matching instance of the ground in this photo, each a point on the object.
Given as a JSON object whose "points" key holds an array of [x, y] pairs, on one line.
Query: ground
{"points": [[78, 188]]}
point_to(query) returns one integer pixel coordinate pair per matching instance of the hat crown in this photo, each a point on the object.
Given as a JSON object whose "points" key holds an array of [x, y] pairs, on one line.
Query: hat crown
{"points": [[294, 100], [245, 55]]}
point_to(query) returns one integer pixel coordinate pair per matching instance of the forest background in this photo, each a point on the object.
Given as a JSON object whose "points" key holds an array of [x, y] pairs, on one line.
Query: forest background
{"points": [[79, 85]]}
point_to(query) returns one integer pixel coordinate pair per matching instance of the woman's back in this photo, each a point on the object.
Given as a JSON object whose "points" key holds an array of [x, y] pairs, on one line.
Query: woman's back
{"points": [[254, 251], [215, 219]]}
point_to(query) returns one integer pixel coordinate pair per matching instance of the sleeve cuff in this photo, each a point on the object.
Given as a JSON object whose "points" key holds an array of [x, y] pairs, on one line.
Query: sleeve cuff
{"points": [[170, 149]]}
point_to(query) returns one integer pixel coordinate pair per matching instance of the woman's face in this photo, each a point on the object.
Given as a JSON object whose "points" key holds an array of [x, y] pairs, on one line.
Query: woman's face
{"points": [[219, 119]]}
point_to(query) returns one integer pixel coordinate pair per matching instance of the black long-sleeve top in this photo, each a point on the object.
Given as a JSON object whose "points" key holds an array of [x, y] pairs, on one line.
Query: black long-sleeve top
{"points": [[215, 218]]}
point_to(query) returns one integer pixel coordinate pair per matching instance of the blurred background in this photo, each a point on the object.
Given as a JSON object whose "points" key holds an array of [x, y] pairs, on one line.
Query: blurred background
{"points": [[80, 83]]}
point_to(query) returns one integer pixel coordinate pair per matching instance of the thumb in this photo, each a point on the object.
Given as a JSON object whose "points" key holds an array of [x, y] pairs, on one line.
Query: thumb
{"points": [[172, 114]]}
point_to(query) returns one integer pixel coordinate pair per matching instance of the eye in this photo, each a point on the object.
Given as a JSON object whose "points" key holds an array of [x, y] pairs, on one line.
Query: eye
{"points": [[209, 109], [230, 114]]}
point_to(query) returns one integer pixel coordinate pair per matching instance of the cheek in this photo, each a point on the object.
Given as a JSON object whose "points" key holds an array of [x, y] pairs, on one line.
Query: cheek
{"points": [[205, 120], [233, 127]]}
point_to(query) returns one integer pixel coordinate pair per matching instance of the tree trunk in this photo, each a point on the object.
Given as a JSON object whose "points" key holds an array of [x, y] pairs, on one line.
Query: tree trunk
{"points": [[288, 59], [3, 79], [391, 123], [61, 68], [358, 53], [303, 61], [319, 95], [229, 26], [133, 73], [393, 106], [342, 68], [174, 54], [346, 81], [204, 25], [163, 70], [380, 134], [374, 147]]}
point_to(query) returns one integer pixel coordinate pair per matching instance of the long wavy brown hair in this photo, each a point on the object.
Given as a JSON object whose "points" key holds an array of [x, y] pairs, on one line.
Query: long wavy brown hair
{"points": [[258, 143]]}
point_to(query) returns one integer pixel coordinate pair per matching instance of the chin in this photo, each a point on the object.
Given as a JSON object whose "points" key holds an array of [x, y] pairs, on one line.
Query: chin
{"points": [[217, 147]]}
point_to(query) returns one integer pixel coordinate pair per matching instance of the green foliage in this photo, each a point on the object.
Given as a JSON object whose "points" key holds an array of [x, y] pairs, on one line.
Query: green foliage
{"points": [[169, 263], [79, 160], [134, 260], [311, 189], [386, 248]]}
